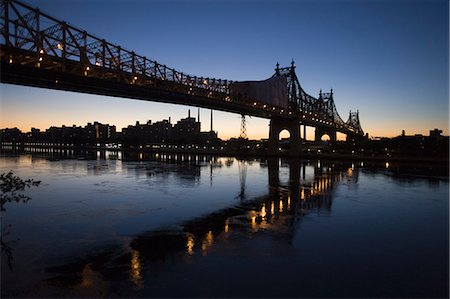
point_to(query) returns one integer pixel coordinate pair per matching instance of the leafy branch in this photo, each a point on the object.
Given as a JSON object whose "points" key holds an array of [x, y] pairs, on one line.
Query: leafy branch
{"points": [[11, 186]]}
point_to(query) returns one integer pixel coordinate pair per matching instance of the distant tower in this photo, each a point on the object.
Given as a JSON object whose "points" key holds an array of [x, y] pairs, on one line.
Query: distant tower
{"points": [[243, 133]]}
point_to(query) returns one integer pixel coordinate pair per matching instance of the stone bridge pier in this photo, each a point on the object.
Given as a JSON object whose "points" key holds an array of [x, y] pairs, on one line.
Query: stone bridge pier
{"points": [[293, 127]]}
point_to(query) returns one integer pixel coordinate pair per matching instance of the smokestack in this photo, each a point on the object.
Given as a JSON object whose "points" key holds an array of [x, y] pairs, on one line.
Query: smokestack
{"points": [[198, 115], [211, 120], [189, 113]]}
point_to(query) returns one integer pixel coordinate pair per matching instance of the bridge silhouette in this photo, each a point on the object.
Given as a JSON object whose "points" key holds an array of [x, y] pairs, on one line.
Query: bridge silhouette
{"points": [[39, 50]]}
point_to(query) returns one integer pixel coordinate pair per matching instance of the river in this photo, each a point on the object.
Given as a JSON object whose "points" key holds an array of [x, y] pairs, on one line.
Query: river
{"points": [[113, 224]]}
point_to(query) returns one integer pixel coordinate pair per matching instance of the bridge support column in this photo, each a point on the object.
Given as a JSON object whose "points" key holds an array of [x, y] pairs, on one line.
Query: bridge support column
{"points": [[320, 131], [276, 126]]}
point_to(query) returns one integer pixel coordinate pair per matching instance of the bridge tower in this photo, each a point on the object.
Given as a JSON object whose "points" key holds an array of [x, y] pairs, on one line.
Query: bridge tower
{"points": [[292, 125]]}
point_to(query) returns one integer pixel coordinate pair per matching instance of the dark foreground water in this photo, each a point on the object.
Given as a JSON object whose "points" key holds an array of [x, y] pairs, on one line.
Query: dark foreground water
{"points": [[108, 224]]}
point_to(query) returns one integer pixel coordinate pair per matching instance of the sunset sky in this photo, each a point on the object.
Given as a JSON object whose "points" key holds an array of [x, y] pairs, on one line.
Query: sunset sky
{"points": [[388, 59]]}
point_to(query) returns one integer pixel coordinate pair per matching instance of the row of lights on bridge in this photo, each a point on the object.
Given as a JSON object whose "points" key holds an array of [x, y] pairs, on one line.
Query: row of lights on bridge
{"points": [[205, 82]]}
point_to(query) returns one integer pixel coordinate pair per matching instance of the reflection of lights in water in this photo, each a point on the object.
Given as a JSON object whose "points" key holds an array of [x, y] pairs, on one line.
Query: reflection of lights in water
{"points": [[119, 155], [98, 154], [190, 244], [263, 211], [226, 226], [87, 276], [207, 241], [387, 164], [140, 156], [289, 202], [136, 269], [253, 221], [272, 208], [281, 206], [318, 164], [349, 172], [353, 166], [302, 194]]}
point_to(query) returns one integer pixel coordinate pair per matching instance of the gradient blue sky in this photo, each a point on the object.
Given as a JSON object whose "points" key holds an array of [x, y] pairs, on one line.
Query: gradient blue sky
{"points": [[389, 59]]}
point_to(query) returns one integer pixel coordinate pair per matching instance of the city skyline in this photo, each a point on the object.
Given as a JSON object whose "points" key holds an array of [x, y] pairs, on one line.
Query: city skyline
{"points": [[390, 61], [197, 118]]}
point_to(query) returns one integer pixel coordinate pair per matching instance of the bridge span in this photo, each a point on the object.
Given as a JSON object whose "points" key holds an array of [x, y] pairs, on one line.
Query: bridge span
{"points": [[39, 50]]}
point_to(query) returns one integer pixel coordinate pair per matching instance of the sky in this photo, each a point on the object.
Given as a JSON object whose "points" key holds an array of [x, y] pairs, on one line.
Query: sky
{"points": [[387, 59]]}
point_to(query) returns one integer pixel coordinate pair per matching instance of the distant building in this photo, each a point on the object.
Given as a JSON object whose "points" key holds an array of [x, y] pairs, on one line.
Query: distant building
{"points": [[158, 132], [186, 130], [435, 133], [100, 133], [208, 137], [161, 131], [11, 135]]}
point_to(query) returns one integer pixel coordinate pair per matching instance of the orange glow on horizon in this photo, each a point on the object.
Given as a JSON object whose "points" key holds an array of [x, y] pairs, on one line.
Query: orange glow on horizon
{"points": [[58, 108]]}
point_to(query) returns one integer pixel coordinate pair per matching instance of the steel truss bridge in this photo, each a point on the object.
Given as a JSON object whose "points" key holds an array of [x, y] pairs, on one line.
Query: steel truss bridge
{"points": [[39, 50]]}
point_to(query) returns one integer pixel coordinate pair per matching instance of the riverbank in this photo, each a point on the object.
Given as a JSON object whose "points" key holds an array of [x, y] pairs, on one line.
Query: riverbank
{"points": [[238, 153]]}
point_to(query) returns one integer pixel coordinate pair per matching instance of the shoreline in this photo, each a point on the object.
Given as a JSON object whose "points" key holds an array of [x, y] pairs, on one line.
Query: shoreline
{"points": [[231, 153]]}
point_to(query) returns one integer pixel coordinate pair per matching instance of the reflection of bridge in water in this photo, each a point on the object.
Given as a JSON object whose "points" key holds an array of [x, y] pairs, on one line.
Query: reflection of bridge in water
{"points": [[279, 212], [291, 195]]}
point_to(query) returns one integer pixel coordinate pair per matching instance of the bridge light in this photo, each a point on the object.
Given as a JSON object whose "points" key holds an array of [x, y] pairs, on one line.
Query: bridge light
{"points": [[59, 46], [264, 106], [87, 68], [41, 51], [40, 58], [254, 104], [135, 78], [10, 59]]}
